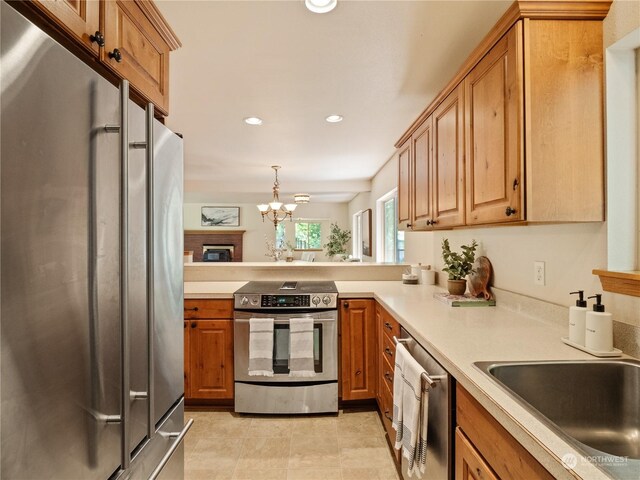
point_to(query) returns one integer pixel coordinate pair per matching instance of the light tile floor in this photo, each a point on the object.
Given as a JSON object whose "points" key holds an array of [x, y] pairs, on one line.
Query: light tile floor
{"points": [[347, 446]]}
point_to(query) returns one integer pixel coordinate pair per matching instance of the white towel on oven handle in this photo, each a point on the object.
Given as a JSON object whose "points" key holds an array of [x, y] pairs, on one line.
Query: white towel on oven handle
{"points": [[301, 354], [261, 347]]}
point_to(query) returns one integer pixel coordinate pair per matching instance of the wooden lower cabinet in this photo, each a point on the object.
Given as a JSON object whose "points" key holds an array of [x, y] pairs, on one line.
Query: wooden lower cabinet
{"points": [[208, 350], [358, 347], [469, 463], [500, 452]]}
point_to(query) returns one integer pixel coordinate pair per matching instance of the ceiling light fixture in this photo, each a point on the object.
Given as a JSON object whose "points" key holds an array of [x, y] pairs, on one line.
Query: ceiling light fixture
{"points": [[334, 118], [253, 121], [320, 6], [275, 210], [301, 198]]}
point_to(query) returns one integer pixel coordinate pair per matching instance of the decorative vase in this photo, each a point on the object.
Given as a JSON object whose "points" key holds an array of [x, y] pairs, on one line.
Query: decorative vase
{"points": [[456, 287]]}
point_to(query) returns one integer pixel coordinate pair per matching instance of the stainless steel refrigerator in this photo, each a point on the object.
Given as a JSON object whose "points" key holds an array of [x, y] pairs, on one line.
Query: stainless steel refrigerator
{"points": [[91, 271]]}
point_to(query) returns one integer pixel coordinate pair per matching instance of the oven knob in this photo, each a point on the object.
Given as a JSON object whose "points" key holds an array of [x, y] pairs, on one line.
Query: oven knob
{"points": [[326, 300], [244, 301], [254, 301], [315, 300]]}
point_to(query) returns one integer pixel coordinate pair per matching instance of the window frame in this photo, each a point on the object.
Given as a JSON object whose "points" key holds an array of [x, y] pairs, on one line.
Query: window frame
{"points": [[295, 237]]}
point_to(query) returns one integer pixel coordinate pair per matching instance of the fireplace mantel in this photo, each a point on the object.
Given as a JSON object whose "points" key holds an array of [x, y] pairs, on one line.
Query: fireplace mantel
{"points": [[196, 239]]}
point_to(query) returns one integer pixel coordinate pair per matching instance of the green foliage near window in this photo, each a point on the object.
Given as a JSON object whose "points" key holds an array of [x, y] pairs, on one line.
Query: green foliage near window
{"points": [[457, 265], [308, 236], [338, 239]]}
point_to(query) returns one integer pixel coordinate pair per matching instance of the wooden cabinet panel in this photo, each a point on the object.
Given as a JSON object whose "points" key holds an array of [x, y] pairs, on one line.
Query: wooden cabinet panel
{"points": [[448, 161], [78, 18], [422, 197], [211, 359], [469, 463], [145, 55], [507, 458], [564, 120], [388, 350], [187, 351], [208, 309], [404, 186], [390, 325], [494, 133], [358, 342]]}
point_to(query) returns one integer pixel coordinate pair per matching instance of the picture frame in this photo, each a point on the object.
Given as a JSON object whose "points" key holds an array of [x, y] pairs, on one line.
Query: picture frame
{"points": [[220, 216], [366, 232]]}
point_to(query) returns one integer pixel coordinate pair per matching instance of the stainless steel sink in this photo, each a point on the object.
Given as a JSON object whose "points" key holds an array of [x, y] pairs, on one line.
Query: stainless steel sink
{"points": [[594, 405]]}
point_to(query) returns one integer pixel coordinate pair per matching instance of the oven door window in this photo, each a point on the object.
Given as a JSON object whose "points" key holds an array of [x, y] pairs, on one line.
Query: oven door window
{"points": [[281, 348]]}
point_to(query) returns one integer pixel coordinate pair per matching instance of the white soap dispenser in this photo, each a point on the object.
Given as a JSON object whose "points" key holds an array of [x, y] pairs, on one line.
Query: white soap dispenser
{"points": [[599, 328], [577, 319]]}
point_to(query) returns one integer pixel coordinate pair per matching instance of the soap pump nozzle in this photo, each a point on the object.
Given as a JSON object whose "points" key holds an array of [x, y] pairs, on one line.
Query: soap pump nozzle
{"points": [[598, 307], [581, 302]]}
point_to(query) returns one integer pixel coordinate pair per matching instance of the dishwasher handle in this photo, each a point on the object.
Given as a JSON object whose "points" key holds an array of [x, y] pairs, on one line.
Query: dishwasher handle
{"points": [[432, 380]]}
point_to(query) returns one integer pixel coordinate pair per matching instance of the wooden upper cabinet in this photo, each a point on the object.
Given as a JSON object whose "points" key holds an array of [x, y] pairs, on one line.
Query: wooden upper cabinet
{"points": [[494, 133], [358, 346], [404, 186], [77, 18], [136, 51], [422, 195], [448, 161]]}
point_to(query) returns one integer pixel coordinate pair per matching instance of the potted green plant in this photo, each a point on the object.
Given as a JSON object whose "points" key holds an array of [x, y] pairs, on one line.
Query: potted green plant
{"points": [[458, 265], [337, 244]]}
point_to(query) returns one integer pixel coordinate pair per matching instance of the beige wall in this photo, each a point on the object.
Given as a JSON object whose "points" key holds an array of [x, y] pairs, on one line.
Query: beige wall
{"points": [[254, 238], [570, 251]]}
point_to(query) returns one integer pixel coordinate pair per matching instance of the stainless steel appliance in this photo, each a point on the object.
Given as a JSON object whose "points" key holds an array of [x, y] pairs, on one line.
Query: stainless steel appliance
{"points": [[439, 439], [91, 270], [216, 255], [282, 393]]}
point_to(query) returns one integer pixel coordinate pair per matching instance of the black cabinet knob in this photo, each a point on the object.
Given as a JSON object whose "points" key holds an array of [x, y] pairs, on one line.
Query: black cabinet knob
{"points": [[116, 55], [97, 38], [510, 211], [193, 324], [345, 304]]}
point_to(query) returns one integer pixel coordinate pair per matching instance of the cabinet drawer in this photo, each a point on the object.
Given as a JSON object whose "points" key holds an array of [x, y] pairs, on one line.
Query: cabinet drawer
{"points": [[386, 373], [388, 350], [387, 412], [390, 325], [210, 309]]}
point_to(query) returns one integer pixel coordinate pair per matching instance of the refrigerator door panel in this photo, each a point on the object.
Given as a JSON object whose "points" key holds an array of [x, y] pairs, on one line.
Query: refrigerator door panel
{"points": [[168, 265], [137, 280], [59, 261]]}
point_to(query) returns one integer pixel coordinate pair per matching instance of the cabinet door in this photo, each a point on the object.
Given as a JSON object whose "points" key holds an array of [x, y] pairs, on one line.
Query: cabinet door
{"points": [[494, 132], [187, 350], [469, 463], [404, 186], [422, 197], [211, 359], [144, 54], [358, 338], [448, 161], [378, 358], [79, 18]]}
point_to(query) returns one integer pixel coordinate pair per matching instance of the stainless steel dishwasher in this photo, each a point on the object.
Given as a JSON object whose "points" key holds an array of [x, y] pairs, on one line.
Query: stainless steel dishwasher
{"points": [[439, 439]]}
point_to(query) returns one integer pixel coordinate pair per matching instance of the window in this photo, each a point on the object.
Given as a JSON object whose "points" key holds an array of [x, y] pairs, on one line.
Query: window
{"points": [[308, 236], [390, 240], [281, 237], [356, 246]]}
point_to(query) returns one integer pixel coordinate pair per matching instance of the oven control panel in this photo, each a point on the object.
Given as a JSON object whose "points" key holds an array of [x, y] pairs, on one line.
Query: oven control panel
{"points": [[306, 301]]}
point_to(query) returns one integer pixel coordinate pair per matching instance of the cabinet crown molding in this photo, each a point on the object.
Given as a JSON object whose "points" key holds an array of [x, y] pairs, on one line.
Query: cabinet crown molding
{"points": [[158, 21]]}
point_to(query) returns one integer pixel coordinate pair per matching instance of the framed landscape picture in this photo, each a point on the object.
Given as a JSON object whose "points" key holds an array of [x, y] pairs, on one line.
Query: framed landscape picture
{"points": [[220, 216]]}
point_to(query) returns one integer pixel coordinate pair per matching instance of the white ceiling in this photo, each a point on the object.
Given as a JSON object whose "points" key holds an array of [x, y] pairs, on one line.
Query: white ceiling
{"points": [[377, 63]]}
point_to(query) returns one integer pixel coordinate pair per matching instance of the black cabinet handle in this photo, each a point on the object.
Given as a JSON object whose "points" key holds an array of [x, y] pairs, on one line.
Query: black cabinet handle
{"points": [[194, 309], [387, 375], [97, 38], [433, 222], [388, 351], [510, 211], [388, 325], [116, 55], [345, 304], [193, 324], [386, 414]]}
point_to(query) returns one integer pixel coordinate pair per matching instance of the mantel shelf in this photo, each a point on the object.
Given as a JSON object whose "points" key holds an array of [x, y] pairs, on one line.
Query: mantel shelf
{"points": [[626, 283]]}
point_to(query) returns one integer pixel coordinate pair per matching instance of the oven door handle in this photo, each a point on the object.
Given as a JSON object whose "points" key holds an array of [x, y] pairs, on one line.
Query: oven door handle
{"points": [[286, 321]]}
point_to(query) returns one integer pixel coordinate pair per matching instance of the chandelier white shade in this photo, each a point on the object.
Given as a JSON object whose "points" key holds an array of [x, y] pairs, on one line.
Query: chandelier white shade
{"points": [[275, 210]]}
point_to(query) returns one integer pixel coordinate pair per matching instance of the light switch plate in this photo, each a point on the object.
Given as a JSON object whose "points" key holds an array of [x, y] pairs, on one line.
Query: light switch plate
{"points": [[538, 273]]}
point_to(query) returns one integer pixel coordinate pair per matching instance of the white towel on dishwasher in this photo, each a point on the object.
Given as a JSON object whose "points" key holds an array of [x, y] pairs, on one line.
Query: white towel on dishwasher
{"points": [[410, 408], [301, 361], [261, 347]]}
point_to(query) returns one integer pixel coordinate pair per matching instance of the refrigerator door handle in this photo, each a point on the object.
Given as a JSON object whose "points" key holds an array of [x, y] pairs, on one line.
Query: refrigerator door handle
{"points": [[179, 436], [150, 144]]}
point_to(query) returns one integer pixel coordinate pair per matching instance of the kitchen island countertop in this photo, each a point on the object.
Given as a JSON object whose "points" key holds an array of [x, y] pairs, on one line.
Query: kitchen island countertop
{"points": [[458, 337]]}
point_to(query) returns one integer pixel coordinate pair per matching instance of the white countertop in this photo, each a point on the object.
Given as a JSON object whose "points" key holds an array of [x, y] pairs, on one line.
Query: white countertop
{"points": [[458, 337]]}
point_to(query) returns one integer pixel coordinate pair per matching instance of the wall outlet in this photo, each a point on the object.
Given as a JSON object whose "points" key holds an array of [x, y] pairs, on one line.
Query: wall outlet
{"points": [[538, 273]]}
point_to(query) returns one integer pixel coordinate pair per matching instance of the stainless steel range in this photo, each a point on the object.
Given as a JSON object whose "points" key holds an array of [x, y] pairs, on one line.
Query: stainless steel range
{"points": [[282, 393]]}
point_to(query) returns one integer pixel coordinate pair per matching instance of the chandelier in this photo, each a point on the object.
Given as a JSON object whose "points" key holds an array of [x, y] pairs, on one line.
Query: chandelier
{"points": [[275, 210]]}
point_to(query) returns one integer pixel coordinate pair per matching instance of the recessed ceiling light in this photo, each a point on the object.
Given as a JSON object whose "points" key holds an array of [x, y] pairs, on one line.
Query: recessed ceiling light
{"points": [[253, 121], [320, 6], [334, 118]]}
